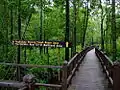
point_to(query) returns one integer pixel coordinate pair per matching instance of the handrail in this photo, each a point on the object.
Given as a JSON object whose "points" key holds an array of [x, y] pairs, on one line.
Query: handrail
{"points": [[110, 61], [30, 65], [14, 84], [47, 85], [75, 62], [68, 71], [103, 56], [74, 70], [72, 59], [106, 65]]}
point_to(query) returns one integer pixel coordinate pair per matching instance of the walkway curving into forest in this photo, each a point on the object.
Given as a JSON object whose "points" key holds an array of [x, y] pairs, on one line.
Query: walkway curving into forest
{"points": [[90, 75]]}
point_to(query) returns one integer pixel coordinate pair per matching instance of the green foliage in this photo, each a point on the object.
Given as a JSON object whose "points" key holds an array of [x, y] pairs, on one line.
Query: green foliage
{"points": [[53, 28]]}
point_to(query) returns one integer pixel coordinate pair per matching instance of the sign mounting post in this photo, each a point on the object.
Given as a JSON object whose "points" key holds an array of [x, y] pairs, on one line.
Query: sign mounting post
{"points": [[67, 30]]}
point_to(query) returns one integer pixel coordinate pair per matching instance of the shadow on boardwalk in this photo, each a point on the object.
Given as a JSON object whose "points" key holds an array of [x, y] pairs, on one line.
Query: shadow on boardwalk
{"points": [[90, 75]]}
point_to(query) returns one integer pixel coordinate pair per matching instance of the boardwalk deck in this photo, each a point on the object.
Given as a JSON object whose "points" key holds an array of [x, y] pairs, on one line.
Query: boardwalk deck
{"points": [[90, 75]]}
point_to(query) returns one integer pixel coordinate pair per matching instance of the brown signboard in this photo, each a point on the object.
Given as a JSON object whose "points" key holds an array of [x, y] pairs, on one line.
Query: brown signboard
{"points": [[59, 44]]}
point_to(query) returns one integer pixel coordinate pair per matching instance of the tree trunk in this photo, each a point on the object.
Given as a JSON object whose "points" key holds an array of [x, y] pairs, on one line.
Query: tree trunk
{"points": [[85, 25], [74, 32], [11, 20], [19, 37], [102, 31], [41, 24], [113, 30], [107, 27], [6, 29], [67, 31]]}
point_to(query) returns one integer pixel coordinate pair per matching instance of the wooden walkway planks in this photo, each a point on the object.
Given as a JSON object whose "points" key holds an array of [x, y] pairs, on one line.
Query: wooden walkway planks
{"points": [[90, 75]]}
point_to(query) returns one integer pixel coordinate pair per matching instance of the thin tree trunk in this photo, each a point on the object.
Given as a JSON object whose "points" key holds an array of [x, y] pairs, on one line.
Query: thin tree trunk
{"points": [[44, 25], [11, 20], [19, 36], [107, 27], [85, 25], [6, 28], [102, 31], [41, 24], [113, 23], [26, 26], [74, 32]]}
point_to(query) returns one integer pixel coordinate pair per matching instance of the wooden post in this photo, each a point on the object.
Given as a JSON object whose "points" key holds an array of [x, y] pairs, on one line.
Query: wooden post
{"points": [[29, 80], [59, 63], [116, 77], [67, 31], [78, 61], [64, 76]]}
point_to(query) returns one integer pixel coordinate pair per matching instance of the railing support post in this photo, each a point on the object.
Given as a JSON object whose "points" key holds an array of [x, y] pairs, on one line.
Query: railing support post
{"points": [[64, 76], [116, 77], [29, 81]]}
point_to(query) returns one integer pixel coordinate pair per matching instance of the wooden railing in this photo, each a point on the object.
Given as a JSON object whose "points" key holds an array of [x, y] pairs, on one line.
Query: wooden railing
{"points": [[68, 70], [111, 69], [75, 62]]}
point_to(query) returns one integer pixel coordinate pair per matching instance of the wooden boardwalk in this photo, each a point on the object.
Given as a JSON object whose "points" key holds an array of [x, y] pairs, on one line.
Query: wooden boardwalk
{"points": [[90, 75]]}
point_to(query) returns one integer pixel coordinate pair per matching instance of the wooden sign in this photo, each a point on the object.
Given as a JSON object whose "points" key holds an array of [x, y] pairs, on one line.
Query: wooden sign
{"points": [[59, 44]]}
